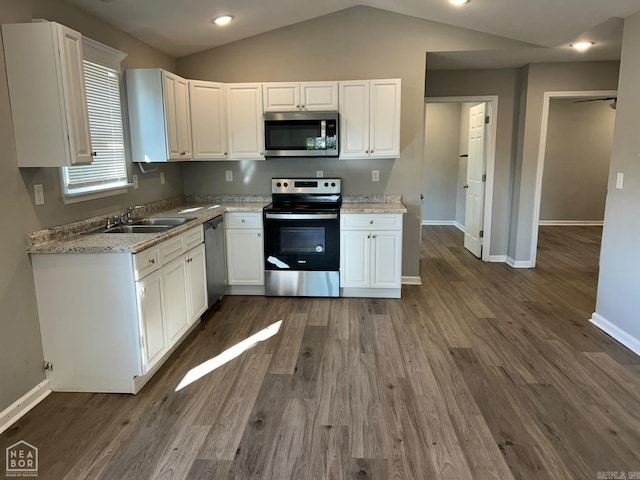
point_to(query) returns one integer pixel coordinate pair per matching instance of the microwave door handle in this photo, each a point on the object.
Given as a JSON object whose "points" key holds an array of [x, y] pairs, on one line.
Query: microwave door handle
{"points": [[323, 134]]}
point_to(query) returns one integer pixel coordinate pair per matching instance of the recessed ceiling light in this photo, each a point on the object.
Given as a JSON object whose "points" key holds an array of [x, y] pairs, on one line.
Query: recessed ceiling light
{"points": [[582, 46], [458, 2], [223, 20]]}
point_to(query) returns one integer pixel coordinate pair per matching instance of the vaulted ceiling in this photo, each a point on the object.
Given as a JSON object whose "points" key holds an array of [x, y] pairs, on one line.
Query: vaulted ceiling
{"points": [[180, 28]]}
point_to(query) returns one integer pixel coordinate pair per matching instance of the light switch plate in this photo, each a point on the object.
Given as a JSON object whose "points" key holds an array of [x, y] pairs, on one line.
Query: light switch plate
{"points": [[375, 175], [161, 178], [619, 180], [228, 175], [135, 181], [38, 192]]}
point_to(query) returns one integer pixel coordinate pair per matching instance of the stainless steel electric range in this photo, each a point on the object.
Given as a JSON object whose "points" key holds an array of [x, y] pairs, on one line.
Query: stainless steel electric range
{"points": [[302, 237]]}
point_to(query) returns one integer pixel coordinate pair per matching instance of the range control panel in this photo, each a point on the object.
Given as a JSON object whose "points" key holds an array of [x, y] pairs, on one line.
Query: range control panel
{"points": [[305, 185]]}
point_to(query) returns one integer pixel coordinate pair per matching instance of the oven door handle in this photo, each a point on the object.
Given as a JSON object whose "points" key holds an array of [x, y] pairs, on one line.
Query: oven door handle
{"points": [[301, 216]]}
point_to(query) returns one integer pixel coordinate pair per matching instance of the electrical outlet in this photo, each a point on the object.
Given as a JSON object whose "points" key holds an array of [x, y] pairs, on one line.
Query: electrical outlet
{"points": [[319, 174], [135, 181], [228, 175], [619, 180], [39, 194], [161, 178], [375, 175]]}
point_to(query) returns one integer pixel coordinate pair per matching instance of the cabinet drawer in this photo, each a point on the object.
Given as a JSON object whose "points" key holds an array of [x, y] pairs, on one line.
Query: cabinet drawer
{"points": [[146, 262], [193, 237], [369, 221], [172, 248], [243, 220]]}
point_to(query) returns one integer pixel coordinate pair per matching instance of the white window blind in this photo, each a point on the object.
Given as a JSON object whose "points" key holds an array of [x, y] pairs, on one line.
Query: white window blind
{"points": [[108, 171]]}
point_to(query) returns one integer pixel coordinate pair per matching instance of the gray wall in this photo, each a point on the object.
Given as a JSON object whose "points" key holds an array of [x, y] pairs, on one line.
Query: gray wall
{"points": [[356, 43], [442, 151], [541, 78], [576, 164], [618, 301], [20, 345], [500, 82]]}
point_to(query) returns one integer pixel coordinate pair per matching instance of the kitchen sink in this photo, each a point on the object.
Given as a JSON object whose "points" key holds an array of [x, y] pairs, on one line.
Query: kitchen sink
{"points": [[164, 221], [138, 229]]}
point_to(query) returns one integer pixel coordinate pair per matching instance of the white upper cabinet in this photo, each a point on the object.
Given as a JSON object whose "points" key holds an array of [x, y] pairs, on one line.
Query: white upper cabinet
{"points": [[370, 119], [305, 96], [159, 116], [47, 93], [244, 120], [208, 120]]}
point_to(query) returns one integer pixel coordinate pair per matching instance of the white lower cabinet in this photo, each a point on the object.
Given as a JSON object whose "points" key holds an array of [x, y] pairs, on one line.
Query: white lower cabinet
{"points": [[124, 315], [370, 255], [245, 252]]}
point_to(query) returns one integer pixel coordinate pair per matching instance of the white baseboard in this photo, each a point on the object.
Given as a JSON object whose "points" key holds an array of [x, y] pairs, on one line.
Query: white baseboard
{"points": [[453, 223], [20, 407], [498, 258], [518, 264], [571, 223], [407, 280], [629, 341]]}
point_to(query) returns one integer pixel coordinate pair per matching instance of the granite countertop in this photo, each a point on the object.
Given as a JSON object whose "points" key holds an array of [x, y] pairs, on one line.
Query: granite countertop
{"points": [[78, 237]]}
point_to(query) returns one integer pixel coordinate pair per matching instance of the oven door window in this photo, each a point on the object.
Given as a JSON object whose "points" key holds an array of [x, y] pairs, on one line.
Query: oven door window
{"points": [[302, 240], [302, 244]]}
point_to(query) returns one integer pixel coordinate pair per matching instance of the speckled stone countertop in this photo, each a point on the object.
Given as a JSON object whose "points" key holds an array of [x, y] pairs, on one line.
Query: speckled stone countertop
{"points": [[80, 237], [373, 204]]}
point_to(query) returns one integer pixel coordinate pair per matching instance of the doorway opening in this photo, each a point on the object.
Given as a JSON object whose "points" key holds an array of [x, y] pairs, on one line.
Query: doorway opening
{"points": [[459, 164], [573, 161]]}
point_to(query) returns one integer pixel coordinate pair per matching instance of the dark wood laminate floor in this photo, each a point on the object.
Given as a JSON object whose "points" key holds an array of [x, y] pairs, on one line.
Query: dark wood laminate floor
{"points": [[483, 372]]}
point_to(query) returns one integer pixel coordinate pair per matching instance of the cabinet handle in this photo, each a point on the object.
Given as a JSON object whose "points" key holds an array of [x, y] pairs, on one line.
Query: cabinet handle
{"points": [[368, 236], [94, 154], [152, 260], [225, 153], [371, 222], [143, 289], [371, 151], [243, 220], [297, 106], [373, 236], [183, 153]]}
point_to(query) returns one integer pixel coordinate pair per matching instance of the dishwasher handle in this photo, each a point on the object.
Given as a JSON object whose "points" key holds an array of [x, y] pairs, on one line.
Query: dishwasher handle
{"points": [[213, 223]]}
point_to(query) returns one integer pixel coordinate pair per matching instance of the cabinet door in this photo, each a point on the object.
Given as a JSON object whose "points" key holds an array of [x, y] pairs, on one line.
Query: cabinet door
{"points": [[245, 257], [354, 119], [70, 46], [177, 122], [151, 318], [319, 96], [175, 299], [281, 97], [208, 120], [244, 120], [386, 258], [384, 116], [183, 118], [355, 258], [197, 276]]}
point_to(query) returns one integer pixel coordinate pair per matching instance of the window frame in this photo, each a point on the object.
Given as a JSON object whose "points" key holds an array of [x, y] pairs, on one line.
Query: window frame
{"points": [[103, 55]]}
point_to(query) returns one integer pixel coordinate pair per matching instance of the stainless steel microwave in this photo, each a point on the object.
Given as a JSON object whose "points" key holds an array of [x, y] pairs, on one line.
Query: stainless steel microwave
{"points": [[301, 134]]}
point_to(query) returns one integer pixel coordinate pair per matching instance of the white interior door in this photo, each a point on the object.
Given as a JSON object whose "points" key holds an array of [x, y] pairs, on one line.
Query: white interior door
{"points": [[475, 184]]}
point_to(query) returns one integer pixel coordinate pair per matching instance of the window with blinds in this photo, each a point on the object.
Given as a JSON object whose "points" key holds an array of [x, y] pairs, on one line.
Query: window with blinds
{"points": [[108, 171]]}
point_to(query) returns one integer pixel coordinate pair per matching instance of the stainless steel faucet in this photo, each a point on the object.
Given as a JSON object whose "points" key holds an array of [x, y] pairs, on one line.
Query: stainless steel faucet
{"points": [[128, 214]]}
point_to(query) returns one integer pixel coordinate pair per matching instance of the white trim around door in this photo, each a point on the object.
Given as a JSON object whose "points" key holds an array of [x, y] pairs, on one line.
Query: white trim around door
{"points": [[492, 112]]}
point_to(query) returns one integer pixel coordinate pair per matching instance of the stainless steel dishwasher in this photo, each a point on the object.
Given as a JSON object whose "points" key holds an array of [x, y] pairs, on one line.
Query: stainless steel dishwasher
{"points": [[216, 263]]}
